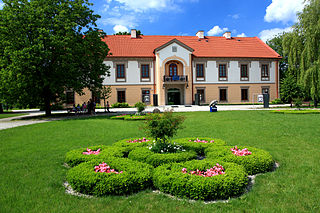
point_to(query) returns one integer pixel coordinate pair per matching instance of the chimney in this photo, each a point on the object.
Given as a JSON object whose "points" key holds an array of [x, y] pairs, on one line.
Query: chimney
{"points": [[227, 35], [133, 33], [200, 34]]}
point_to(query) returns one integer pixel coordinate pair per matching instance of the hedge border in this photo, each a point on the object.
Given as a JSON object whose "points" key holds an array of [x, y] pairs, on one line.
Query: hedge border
{"points": [[143, 154], [168, 178], [75, 157], [303, 111], [131, 146], [259, 161], [136, 176], [199, 147]]}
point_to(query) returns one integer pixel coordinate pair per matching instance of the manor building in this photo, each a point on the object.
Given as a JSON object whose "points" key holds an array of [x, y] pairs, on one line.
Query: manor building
{"points": [[176, 68]]}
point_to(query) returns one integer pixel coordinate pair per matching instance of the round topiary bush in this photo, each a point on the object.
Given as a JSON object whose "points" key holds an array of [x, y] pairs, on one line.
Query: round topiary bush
{"points": [[143, 154], [131, 143], [177, 179], [77, 156], [125, 177], [257, 162], [199, 144]]}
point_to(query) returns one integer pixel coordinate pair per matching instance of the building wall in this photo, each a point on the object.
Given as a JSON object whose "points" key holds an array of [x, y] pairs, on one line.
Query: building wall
{"points": [[234, 91]]}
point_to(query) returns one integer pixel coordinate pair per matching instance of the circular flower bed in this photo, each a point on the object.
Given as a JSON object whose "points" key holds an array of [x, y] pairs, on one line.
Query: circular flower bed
{"points": [[131, 143], [124, 177], [199, 144], [220, 181], [144, 154], [254, 160], [129, 117], [77, 156]]}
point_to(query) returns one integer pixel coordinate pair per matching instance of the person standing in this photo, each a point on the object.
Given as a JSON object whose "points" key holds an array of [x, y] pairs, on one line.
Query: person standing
{"points": [[108, 106]]}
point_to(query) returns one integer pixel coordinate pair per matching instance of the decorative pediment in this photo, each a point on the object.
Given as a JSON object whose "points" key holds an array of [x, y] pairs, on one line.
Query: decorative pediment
{"points": [[171, 42]]}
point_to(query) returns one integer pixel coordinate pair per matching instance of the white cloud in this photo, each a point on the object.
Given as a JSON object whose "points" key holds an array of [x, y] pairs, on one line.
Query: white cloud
{"points": [[126, 20], [241, 35], [1, 5], [269, 34], [235, 16], [144, 5], [283, 10], [120, 28], [216, 30]]}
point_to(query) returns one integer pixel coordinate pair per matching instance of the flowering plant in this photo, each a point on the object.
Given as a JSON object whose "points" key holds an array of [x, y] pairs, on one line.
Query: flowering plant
{"points": [[90, 152], [138, 140], [105, 168], [165, 147], [216, 170], [202, 141], [239, 152]]}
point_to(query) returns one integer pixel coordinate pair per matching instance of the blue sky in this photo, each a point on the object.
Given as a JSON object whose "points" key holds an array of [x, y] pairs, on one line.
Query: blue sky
{"points": [[263, 18]]}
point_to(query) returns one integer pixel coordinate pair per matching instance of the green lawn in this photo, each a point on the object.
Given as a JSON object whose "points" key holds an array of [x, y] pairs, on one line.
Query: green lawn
{"points": [[32, 171], [9, 115]]}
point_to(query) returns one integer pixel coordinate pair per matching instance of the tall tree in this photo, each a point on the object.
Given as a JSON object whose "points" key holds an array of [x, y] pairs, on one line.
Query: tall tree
{"points": [[46, 47], [303, 49], [127, 33]]}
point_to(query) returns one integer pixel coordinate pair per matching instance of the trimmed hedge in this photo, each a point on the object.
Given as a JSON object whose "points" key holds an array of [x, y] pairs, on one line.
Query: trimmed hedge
{"points": [[143, 154], [168, 178], [131, 146], [199, 147], [75, 157], [129, 117], [136, 176], [302, 111], [258, 162]]}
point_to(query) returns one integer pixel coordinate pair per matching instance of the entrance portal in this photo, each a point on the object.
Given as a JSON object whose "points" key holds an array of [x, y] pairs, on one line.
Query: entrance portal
{"points": [[174, 97]]}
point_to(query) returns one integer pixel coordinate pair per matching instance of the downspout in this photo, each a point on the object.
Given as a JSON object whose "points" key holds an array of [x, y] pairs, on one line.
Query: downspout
{"points": [[154, 76], [277, 78], [192, 79]]}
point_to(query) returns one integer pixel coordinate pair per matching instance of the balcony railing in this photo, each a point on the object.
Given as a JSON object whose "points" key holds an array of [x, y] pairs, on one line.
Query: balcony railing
{"points": [[175, 78]]}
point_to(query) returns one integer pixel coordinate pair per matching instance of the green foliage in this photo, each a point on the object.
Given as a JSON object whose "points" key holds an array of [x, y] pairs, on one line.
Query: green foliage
{"points": [[127, 33], [144, 154], [199, 148], [258, 162], [163, 126], [290, 89], [129, 146], [163, 148], [297, 102], [129, 117], [47, 47], [120, 105], [304, 111], [136, 176], [277, 101], [302, 47], [75, 157], [140, 107], [169, 178]]}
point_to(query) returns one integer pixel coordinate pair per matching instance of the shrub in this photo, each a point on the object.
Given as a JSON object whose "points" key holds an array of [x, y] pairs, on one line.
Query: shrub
{"points": [[163, 126], [277, 101], [143, 154], [75, 157], [199, 147], [136, 176], [304, 111], [169, 178], [259, 161], [130, 144], [129, 117], [120, 105], [140, 106]]}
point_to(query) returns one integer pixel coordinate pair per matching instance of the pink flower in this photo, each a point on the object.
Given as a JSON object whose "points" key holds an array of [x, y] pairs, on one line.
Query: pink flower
{"points": [[239, 152]]}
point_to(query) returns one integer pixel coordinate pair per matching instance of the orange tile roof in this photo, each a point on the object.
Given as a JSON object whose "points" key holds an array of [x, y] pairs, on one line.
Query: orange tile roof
{"points": [[211, 46]]}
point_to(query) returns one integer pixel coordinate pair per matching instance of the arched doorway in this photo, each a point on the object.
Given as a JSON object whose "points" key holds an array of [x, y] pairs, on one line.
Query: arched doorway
{"points": [[174, 96]]}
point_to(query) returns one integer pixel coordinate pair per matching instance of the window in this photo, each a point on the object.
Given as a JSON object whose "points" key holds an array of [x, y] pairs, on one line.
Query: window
{"points": [[145, 71], [146, 96], [244, 94], [265, 90], [121, 96], [174, 49], [173, 70], [201, 94], [265, 72], [223, 94], [120, 71], [222, 72], [200, 71], [70, 97], [244, 76]]}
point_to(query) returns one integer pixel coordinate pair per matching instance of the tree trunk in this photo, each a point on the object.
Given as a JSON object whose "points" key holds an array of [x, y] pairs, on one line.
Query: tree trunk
{"points": [[47, 106], [1, 108], [315, 103]]}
